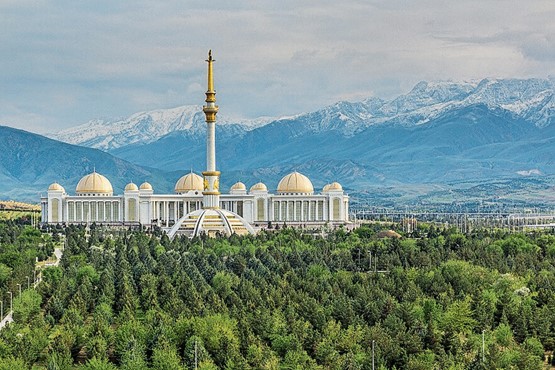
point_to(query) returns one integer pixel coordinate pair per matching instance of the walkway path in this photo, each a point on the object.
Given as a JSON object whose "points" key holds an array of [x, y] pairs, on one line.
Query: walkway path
{"points": [[6, 320], [58, 253]]}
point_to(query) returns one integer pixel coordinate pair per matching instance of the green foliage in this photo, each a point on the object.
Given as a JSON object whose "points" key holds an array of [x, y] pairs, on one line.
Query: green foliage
{"points": [[281, 300], [458, 318], [98, 364], [165, 357], [224, 282], [5, 272], [11, 363], [27, 306]]}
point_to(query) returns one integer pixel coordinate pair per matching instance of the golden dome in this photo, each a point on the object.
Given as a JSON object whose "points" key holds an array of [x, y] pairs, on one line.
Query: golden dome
{"points": [[94, 183], [334, 186], [190, 181], [238, 186], [56, 187], [145, 186], [258, 187], [131, 187], [295, 182]]}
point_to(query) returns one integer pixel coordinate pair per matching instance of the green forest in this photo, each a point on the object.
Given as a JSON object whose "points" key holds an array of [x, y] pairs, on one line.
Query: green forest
{"points": [[282, 299]]}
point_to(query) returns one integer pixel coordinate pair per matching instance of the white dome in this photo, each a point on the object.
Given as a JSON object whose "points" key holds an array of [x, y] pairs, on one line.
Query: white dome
{"points": [[189, 182], [131, 187], [56, 187], [145, 186], [238, 186], [260, 186], [334, 186], [295, 182], [94, 183]]}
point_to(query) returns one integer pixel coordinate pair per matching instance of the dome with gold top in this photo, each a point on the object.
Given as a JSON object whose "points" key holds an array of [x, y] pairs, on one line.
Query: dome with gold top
{"points": [[131, 187], [238, 188], [145, 186], [56, 187], [94, 183], [334, 186], [295, 183], [189, 182], [259, 186]]}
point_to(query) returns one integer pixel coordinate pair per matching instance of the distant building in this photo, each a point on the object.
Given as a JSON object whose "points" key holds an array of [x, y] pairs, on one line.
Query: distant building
{"points": [[197, 206], [294, 203]]}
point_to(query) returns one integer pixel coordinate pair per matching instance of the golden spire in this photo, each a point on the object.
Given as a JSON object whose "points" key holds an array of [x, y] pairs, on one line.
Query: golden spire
{"points": [[210, 109], [210, 73]]}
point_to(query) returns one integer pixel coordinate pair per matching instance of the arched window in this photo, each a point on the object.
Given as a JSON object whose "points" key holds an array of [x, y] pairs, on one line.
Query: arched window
{"points": [[55, 213], [260, 209], [336, 209], [132, 210], [116, 211], [108, 211]]}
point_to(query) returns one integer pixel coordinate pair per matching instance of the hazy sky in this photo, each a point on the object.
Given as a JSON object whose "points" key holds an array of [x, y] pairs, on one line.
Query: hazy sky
{"points": [[63, 63]]}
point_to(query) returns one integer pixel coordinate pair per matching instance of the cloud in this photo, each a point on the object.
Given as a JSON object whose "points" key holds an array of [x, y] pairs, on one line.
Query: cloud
{"points": [[67, 62]]}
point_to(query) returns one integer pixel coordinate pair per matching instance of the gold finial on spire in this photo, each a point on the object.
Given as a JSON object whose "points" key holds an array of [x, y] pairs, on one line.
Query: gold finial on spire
{"points": [[210, 73], [210, 109]]}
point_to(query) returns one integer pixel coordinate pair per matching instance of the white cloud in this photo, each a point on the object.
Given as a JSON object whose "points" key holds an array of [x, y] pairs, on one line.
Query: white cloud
{"points": [[68, 62]]}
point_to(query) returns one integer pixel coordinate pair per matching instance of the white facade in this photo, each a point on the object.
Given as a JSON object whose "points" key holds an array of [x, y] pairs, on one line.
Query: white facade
{"points": [[140, 205]]}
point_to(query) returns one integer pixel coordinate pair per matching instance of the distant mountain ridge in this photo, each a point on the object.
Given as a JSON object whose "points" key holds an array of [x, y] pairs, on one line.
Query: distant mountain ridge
{"points": [[438, 136], [29, 163], [145, 127], [437, 133], [531, 99]]}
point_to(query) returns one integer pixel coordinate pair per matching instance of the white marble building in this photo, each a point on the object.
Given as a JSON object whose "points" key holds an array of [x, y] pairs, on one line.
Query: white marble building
{"points": [[294, 203]]}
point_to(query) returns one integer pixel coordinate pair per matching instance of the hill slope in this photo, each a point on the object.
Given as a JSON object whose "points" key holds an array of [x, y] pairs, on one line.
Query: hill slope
{"points": [[438, 135], [30, 162]]}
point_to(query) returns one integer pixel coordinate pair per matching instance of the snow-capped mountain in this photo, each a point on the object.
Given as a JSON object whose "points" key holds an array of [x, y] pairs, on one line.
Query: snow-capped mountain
{"points": [[439, 133], [145, 127], [530, 99]]}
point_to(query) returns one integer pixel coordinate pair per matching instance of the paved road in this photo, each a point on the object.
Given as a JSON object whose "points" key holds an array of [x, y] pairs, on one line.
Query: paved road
{"points": [[58, 252], [6, 320]]}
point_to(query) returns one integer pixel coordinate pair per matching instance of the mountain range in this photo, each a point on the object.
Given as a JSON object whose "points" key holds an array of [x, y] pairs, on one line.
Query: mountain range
{"points": [[145, 127], [436, 136], [29, 163]]}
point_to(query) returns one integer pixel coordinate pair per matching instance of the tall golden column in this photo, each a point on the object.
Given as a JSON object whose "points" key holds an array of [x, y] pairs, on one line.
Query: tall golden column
{"points": [[211, 199]]}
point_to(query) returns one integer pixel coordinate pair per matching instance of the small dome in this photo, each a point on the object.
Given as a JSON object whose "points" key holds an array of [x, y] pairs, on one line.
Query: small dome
{"points": [[295, 182], [94, 183], [334, 186], [145, 186], [189, 182], [259, 187], [131, 187], [238, 186], [56, 187], [388, 234]]}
